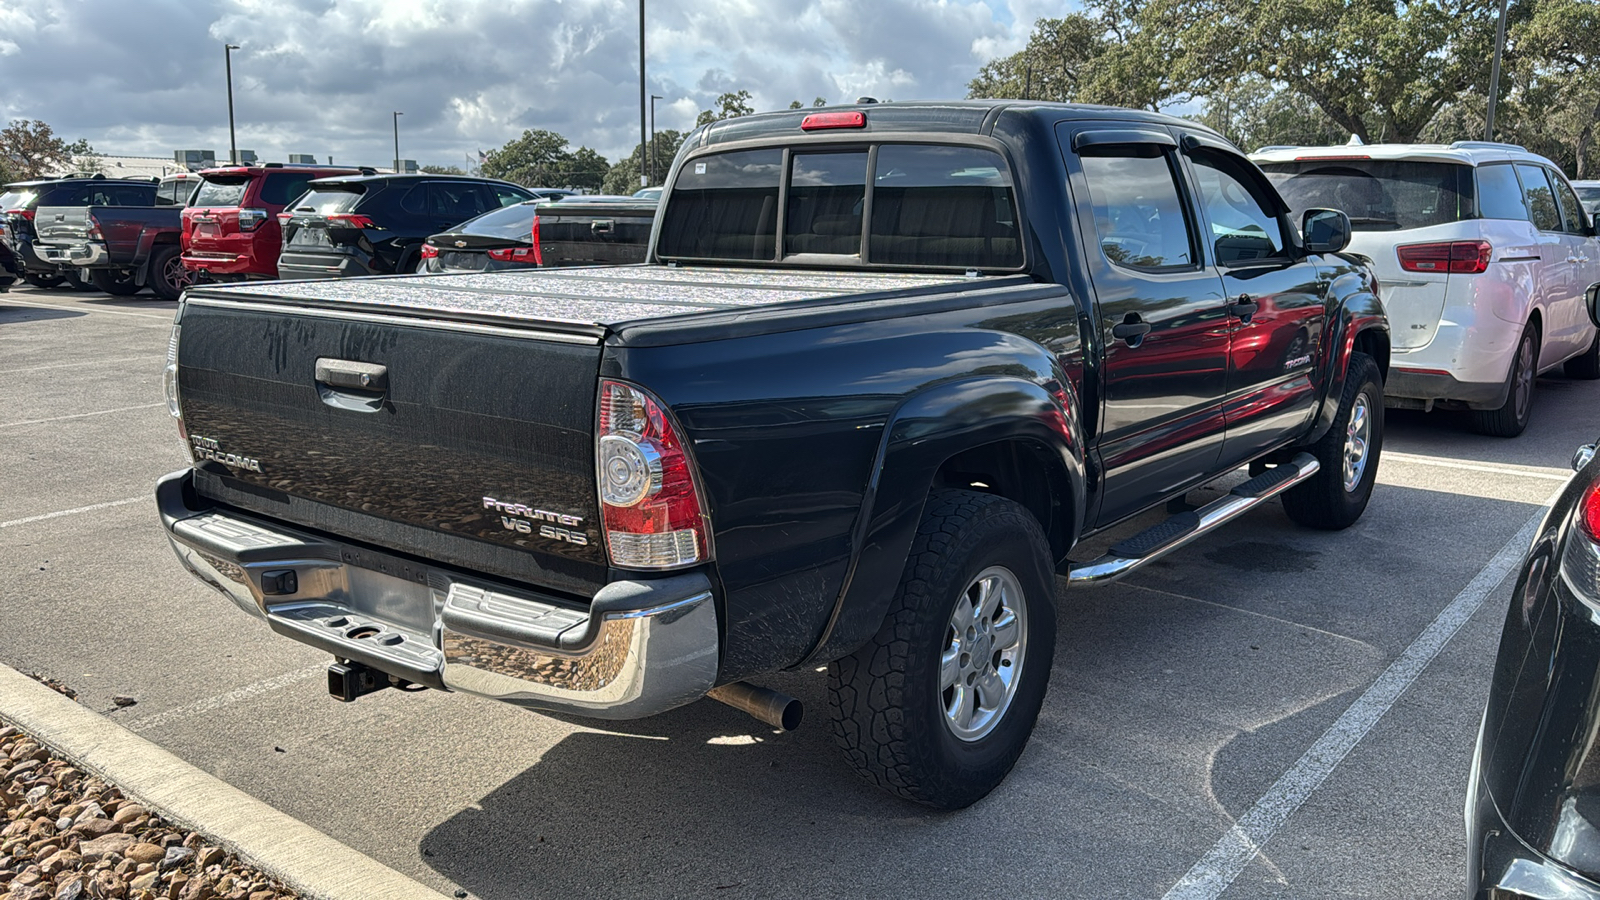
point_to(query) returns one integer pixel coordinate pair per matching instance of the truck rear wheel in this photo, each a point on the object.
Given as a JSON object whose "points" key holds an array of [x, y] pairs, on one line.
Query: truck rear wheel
{"points": [[1337, 495], [43, 281], [937, 707], [168, 276], [120, 282]]}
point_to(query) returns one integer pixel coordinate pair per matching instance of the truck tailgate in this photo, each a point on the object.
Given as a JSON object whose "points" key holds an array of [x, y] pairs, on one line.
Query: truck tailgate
{"points": [[573, 233], [61, 225], [457, 450]]}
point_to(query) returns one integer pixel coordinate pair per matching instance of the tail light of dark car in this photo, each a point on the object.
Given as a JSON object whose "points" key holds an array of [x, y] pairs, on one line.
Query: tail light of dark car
{"points": [[95, 234], [1453, 257], [649, 498], [251, 219], [1580, 564], [351, 220], [530, 255]]}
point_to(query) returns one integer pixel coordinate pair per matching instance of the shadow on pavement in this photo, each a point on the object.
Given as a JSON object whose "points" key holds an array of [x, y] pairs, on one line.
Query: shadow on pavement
{"points": [[10, 315]]}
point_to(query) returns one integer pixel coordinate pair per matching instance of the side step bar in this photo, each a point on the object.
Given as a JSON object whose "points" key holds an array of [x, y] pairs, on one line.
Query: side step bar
{"points": [[1160, 539]]}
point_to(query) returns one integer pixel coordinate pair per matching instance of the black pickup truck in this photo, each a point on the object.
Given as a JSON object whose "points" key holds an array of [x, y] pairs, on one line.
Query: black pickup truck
{"points": [[122, 248], [884, 369]]}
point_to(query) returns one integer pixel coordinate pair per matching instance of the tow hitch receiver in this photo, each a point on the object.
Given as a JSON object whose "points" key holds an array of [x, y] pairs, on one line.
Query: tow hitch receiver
{"points": [[349, 680]]}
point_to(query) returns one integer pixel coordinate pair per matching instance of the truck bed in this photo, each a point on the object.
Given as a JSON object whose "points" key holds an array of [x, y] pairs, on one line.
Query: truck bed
{"points": [[582, 301]]}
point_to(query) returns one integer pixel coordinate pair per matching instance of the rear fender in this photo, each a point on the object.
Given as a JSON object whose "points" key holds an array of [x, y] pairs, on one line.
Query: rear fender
{"points": [[1358, 322], [928, 428]]}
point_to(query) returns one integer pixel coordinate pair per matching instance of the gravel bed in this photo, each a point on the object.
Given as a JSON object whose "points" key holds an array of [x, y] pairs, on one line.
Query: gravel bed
{"points": [[68, 835]]}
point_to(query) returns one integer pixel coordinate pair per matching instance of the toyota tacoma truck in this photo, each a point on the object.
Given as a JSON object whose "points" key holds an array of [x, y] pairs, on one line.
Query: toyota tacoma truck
{"points": [[883, 370], [121, 248]]}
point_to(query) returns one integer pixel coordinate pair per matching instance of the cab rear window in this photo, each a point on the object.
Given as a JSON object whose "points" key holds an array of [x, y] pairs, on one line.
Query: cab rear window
{"points": [[225, 190], [1377, 194], [919, 205]]}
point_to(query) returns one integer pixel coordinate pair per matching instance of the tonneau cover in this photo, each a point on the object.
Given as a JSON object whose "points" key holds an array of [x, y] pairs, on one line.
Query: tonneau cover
{"points": [[583, 300]]}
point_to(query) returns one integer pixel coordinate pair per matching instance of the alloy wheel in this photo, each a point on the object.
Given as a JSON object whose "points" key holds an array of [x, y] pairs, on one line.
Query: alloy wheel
{"points": [[981, 666], [1357, 438]]}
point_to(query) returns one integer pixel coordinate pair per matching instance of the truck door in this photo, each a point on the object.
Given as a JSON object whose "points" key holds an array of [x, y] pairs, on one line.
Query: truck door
{"points": [[1276, 301], [1162, 318]]}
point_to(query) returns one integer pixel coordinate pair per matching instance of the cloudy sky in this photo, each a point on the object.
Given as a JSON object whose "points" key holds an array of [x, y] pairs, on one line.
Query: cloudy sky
{"points": [[145, 77]]}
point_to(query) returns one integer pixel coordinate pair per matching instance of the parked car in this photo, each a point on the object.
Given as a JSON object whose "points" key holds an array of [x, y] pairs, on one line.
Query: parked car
{"points": [[1533, 797], [1483, 251], [500, 239], [175, 189], [376, 224], [122, 249], [649, 193], [876, 381], [552, 193], [1589, 195], [20, 201], [231, 228]]}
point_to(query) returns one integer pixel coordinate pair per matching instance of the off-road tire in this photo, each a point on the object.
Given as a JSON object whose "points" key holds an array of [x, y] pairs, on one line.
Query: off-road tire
{"points": [[1323, 501], [1585, 365], [44, 282], [1511, 419], [885, 699], [168, 278]]}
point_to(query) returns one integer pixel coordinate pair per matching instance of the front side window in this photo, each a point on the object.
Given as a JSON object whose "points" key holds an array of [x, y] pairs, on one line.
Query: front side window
{"points": [[1137, 210], [508, 196], [1241, 229], [1571, 209], [1500, 194], [943, 206], [1540, 197], [725, 206], [826, 194]]}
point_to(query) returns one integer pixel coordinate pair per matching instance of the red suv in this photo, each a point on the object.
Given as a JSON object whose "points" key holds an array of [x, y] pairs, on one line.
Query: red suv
{"points": [[230, 227]]}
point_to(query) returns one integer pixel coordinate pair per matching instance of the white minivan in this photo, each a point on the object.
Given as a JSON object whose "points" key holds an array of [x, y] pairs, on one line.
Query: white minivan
{"points": [[1483, 253]]}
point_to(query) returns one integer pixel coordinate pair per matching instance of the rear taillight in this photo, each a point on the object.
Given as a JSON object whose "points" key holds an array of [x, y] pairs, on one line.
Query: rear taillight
{"points": [[351, 220], [251, 219], [429, 251], [649, 500], [1589, 513], [283, 219], [169, 380], [533, 238], [1580, 564], [1454, 257], [25, 213], [94, 229], [529, 255]]}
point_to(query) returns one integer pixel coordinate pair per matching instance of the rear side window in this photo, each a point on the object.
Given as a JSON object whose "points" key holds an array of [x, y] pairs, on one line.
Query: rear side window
{"points": [[278, 188], [1137, 211], [220, 191], [1377, 194], [454, 202], [943, 206], [326, 200], [725, 206], [130, 195], [1500, 194], [826, 194], [1540, 198], [173, 193]]}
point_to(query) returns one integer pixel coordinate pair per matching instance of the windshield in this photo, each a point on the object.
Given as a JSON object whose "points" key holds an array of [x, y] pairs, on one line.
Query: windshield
{"points": [[1377, 194], [513, 222], [328, 199], [220, 190]]}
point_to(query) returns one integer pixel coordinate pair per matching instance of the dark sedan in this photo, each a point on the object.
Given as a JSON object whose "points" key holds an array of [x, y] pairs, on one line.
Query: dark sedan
{"points": [[499, 239], [1533, 801]]}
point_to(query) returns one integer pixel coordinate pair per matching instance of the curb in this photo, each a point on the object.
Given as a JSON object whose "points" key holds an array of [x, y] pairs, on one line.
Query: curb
{"points": [[281, 846]]}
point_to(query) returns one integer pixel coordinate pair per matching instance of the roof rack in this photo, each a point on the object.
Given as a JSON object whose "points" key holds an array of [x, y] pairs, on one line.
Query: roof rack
{"points": [[1486, 145]]}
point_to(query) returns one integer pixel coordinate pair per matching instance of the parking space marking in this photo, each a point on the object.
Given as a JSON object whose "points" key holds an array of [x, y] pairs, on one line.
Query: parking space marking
{"points": [[1301, 626], [81, 363], [77, 307], [1541, 472], [103, 412], [1208, 878], [72, 512], [249, 691]]}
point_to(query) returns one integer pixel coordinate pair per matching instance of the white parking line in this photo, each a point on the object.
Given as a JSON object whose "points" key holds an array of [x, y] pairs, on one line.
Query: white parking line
{"points": [[71, 512], [249, 691], [1215, 871], [102, 412], [81, 363], [1541, 472]]}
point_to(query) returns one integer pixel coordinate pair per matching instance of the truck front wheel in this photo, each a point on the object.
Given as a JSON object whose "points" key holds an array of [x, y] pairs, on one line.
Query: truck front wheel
{"points": [[1337, 495], [938, 705]]}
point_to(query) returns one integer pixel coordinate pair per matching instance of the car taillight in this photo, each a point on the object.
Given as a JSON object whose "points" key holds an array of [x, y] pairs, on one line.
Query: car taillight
{"points": [[649, 500], [283, 219], [25, 213], [251, 219], [533, 238], [351, 220], [429, 251], [528, 255], [94, 229], [169, 381], [1580, 564], [1455, 257]]}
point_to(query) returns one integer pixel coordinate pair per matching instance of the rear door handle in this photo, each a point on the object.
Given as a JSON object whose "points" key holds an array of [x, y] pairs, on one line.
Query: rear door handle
{"points": [[1243, 308], [1131, 329]]}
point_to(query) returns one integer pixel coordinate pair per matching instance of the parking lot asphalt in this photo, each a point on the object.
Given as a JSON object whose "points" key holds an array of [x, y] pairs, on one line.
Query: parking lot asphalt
{"points": [[1183, 702]]}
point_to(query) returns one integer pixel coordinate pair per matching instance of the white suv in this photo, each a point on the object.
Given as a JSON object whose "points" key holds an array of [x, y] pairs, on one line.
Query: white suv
{"points": [[1483, 253]]}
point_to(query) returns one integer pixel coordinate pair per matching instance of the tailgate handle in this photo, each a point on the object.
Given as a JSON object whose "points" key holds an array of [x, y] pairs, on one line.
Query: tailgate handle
{"points": [[602, 226], [351, 385]]}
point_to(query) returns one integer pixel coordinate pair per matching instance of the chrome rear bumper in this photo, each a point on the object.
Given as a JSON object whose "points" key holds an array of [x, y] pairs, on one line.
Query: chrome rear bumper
{"points": [[73, 255], [641, 647]]}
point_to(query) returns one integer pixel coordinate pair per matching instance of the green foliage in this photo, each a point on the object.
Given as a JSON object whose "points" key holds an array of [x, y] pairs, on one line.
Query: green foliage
{"points": [[541, 159], [1555, 100], [443, 170], [624, 175], [729, 106], [30, 149]]}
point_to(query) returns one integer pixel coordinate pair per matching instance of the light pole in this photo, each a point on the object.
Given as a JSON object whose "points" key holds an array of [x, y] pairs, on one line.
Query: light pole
{"points": [[643, 179], [233, 143], [653, 99], [397, 142], [1494, 73]]}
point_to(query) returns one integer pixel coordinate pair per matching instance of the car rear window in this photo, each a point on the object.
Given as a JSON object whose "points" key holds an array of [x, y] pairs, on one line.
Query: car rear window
{"points": [[930, 206], [514, 222], [1588, 193], [1377, 194], [220, 190], [326, 199]]}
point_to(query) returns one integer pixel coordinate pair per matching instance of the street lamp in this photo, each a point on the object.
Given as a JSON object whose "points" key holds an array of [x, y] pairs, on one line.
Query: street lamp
{"points": [[653, 99], [397, 142], [643, 179], [227, 61], [1494, 76]]}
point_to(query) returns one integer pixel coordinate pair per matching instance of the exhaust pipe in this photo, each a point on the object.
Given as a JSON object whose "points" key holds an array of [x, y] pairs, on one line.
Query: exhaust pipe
{"points": [[772, 707]]}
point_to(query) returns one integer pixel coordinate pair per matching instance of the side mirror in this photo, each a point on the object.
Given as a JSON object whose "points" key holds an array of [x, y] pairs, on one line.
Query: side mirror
{"points": [[1325, 230], [1591, 299]]}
